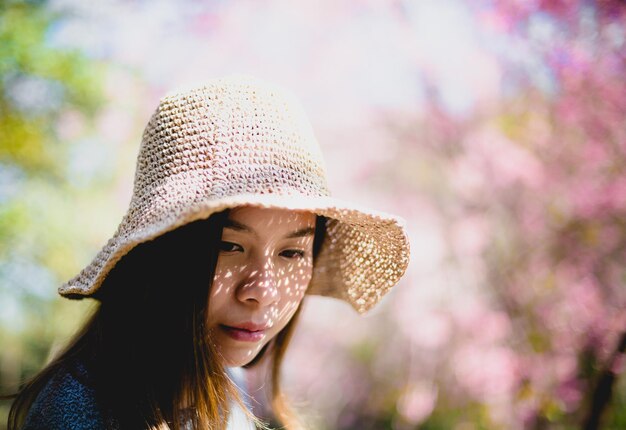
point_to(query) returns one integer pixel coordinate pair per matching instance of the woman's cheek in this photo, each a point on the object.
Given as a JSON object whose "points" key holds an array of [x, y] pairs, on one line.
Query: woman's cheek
{"points": [[289, 306]]}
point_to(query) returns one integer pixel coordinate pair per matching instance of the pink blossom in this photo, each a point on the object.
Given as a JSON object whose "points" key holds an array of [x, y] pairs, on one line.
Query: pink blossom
{"points": [[505, 160], [417, 403], [470, 235], [430, 331], [486, 372]]}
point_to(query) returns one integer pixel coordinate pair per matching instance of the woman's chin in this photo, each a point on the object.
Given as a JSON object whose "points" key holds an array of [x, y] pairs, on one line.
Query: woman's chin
{"points": [[238, 361], [238, 357]]}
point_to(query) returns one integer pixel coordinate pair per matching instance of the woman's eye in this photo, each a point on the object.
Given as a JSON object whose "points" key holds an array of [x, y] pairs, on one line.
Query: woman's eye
{"points": [[292, 253], [230, 247]]}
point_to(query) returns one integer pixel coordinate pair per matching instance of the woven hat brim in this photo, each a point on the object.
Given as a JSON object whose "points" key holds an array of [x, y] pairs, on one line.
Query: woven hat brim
{"points": [[364, 255]]}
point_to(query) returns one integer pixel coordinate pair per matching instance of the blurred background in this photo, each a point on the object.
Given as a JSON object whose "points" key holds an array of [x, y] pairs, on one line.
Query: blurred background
{"points": [[497, 129]]}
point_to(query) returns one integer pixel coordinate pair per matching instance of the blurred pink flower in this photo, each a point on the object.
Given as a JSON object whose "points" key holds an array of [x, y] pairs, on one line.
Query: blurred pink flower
{"points": [[470, 235], [429, 330], [481, 325], [417, 403], [467, 176], [619, 364], [487, 373], [569, 392], [505, 160]]}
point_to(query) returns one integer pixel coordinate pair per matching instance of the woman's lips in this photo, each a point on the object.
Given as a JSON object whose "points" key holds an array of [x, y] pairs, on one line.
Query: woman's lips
{"points": [[242, 334]]}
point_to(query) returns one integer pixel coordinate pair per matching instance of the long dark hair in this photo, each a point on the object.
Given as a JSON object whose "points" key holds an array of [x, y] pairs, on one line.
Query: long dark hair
{"points": [[148, 345]]}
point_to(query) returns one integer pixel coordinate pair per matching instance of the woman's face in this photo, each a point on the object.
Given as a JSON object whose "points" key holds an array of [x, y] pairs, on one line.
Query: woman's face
{"points": [[263, 270]]}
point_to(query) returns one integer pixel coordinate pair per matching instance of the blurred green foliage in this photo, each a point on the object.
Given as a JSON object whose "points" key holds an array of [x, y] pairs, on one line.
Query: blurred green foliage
{"points": [[39, 83], [25, 59]]}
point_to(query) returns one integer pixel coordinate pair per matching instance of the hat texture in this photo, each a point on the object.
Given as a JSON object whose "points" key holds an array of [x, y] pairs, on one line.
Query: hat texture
{"points": [[238, 140]]}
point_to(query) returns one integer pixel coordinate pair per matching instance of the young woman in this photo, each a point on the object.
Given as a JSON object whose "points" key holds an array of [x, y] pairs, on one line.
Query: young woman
{"points": [[230, 225]]}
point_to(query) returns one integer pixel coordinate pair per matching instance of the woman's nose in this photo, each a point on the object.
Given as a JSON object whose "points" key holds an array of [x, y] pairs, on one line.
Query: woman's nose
{"points": [[260, 286]]}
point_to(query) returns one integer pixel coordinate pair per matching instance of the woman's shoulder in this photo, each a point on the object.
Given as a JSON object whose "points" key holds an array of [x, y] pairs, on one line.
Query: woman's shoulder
{"points": [[67, 401]]}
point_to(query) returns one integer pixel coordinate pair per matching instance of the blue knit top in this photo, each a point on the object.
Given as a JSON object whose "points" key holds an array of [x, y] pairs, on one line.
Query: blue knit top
{"points": [[68, 402]]}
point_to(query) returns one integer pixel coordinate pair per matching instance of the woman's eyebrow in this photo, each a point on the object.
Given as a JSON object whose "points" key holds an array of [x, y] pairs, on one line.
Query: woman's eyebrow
{"points": [[307, 231], [234, 225]]}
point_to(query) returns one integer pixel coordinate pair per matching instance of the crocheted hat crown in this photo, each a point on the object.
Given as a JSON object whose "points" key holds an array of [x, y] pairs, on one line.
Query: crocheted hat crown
{"points": [[238, 140], [249, 138]]}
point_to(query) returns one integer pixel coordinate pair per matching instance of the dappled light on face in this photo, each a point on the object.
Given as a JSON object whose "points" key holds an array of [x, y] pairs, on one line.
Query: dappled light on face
{"points": [[264, 268]]}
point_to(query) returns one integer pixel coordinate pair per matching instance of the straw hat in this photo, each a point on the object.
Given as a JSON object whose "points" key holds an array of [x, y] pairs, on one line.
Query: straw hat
{"points": [[236, 141]]}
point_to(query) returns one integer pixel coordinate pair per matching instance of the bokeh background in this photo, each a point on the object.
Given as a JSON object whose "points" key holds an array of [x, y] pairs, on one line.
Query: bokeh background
{"points": [[497, 129]]}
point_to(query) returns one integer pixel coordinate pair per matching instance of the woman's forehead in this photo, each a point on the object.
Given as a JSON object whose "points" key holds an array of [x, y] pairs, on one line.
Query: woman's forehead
{"points": [[259, 218]]}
